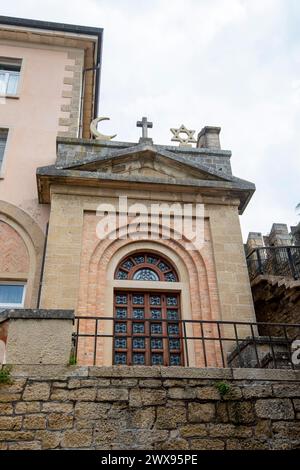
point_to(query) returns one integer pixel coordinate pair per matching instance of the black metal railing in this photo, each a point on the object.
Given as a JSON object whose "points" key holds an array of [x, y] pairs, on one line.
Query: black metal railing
{"points": [[274, 260], [204, 343]]}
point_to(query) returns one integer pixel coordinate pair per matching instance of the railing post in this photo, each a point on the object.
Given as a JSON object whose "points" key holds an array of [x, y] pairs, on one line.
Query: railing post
{"points": [[95, 342], [185, 344], [77, 338], [237, 344]]}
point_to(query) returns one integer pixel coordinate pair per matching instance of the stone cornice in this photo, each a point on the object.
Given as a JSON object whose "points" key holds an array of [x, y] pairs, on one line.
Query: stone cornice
{"points": [[208, 373], [47, 176], [36, 314]]}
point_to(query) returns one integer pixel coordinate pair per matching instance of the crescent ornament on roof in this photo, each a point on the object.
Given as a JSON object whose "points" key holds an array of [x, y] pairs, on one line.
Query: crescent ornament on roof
{"points": [[96, 133]]}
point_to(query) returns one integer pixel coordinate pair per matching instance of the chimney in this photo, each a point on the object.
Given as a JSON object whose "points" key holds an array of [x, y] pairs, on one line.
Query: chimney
{"points": [[209, 137]]}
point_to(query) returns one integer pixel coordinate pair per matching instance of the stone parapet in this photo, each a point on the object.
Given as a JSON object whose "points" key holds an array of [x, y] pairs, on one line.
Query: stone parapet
{"points": [[51, 330], [72, 151]]}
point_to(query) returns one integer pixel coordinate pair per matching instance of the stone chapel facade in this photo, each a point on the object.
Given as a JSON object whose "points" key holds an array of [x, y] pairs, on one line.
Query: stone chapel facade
{"points": [[139, 284]]}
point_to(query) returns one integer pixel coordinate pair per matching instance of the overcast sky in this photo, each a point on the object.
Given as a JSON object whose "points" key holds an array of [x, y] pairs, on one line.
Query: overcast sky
{"points": [[229, 63]]}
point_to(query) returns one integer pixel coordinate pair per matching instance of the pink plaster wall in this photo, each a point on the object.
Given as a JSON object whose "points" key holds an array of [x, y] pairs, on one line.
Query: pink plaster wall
{"points": [[32, 120]]}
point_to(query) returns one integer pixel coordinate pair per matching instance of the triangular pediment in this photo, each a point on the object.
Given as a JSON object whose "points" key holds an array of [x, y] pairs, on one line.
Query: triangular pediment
{"points": [[124, 166], [147, 161]]}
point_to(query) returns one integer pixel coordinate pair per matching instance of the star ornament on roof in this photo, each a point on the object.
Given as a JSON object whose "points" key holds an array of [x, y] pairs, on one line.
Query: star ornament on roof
{"points": [[177, 136]]}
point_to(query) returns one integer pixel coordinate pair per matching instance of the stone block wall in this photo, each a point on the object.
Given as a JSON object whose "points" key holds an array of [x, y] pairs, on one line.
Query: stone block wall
{"points": [[52, 332], [276, 300], [56, 407]]}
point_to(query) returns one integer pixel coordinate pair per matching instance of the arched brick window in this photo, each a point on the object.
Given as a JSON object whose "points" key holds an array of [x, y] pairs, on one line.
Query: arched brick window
{"points": [[146, 267], [147, 328]]}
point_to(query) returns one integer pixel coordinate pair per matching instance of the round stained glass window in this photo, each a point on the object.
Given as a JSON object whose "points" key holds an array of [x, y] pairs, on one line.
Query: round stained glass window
{"points": [[145, 274]]}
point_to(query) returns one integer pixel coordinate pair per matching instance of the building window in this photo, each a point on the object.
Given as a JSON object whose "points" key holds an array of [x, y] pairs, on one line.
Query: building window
{"points": [[146, 267], [12, 294], [145, 274], [3, 140], [9, 76]]}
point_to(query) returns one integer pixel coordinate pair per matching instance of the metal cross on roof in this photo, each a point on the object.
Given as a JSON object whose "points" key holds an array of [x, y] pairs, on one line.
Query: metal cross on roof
{"points": [[144, 124]]}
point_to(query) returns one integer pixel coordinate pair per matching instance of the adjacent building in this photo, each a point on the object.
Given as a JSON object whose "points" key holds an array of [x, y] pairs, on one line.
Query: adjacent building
{"points": [[49, 83]]}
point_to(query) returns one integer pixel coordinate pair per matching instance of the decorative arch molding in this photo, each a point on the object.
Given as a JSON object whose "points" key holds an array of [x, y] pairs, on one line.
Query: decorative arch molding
{"points": [[198, 291], [102, 259], [171, 250], [34, 240], [108, 253]]}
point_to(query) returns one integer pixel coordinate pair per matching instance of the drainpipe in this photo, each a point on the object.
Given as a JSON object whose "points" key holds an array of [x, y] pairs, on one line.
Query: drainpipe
{"points": [[43, 267], [82, 97]]}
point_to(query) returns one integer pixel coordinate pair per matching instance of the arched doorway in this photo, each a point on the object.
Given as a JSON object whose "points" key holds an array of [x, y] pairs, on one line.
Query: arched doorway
{"points": [[147, 327]]}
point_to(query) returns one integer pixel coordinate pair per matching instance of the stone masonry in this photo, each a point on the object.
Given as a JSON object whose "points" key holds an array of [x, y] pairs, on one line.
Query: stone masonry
{"points": [[57, 407]]}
